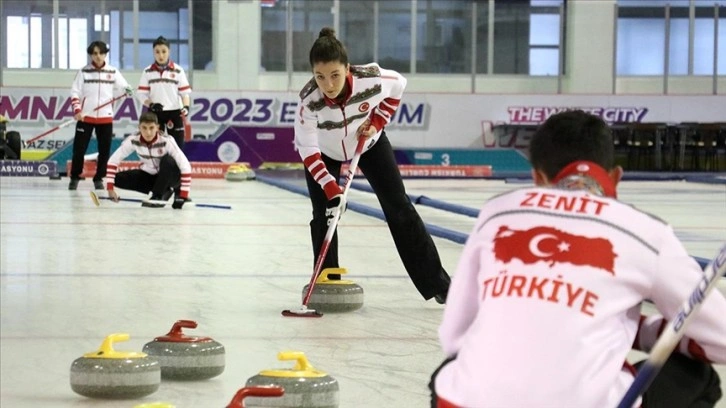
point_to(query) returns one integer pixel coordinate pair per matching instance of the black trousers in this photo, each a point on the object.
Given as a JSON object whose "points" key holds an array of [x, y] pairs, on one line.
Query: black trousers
{"points": [[168, 177], [172, 123], [682, 383], [414, 244], [84, 131]]}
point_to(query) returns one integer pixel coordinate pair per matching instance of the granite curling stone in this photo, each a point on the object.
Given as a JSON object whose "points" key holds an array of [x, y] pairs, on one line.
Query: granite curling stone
{"points": [[239, 172], [305, 387], [111, 374], [332, 295], [242, 393], [186, 358]]}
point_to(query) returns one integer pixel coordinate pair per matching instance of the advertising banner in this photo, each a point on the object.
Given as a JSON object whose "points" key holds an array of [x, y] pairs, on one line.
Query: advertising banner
{"points": [[423, 120]]}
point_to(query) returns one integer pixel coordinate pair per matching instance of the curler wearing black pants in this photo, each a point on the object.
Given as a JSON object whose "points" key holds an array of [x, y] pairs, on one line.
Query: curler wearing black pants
{"points": [[172, 122], [84, 131]]}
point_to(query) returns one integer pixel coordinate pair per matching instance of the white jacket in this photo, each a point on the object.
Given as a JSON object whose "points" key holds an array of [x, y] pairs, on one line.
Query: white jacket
{"points": [[93, 87], [150, 155], [545, 302], [164, 86], [322, 126]]}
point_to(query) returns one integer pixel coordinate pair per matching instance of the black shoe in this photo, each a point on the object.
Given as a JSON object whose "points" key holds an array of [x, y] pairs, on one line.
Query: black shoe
{"points": [[98, 184], [73, 185], [153, 202]]}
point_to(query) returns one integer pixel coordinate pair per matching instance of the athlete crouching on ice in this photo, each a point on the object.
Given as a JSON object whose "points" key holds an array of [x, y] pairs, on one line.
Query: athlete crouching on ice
{"points": [[164, 169], [545, 303]]}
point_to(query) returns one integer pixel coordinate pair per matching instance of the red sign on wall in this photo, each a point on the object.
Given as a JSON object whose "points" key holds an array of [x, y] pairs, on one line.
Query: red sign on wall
{"points": [[200, 170]]}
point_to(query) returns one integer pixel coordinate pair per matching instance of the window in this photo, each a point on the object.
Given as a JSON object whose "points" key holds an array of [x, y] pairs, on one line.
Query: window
{"points": [[394, 35], [357, 26], [443, 36], [31, 32], [642, 37], [527, 37]]}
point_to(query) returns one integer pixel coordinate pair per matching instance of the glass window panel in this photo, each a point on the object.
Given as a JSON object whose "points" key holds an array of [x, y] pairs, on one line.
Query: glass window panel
{"points": [[357, 28], [544, 29], [721, 46], [183, 24], [703, 46], [77, 43], [308, 18], [394, 33], [62, 44], [36, 42], [633, 57], [114, 41], [678, 47], [18, 50], [128, 60], [543, 61], [202, 34], [482, 36], [511, 37], [444, 37], [273, 25], [153, 24]]}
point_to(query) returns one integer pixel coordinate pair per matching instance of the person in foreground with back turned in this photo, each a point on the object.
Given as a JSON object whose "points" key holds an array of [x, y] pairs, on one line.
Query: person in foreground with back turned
{"points": [[340, 104], [164, 170], [546, 301]]}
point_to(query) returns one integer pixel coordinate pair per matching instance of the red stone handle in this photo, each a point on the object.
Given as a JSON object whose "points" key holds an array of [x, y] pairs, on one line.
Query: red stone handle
{"points": [[261, 391]]}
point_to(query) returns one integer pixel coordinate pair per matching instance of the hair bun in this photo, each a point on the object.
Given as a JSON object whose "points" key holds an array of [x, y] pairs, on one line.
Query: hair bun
{"points": [[327, 32]]}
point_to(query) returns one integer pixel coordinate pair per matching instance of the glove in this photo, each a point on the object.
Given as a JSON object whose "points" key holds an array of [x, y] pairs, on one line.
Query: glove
{"points": [[179, 202], [156, 107], [185, 111], [129, 91], [335, 206]]}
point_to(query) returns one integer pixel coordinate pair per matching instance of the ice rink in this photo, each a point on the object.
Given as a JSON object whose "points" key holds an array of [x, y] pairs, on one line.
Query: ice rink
{"points": [[73, 273]]}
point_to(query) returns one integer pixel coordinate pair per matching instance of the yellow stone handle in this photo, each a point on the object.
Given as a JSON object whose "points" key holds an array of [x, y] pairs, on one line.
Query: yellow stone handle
{"points": [[301, 364], [106, 350]]}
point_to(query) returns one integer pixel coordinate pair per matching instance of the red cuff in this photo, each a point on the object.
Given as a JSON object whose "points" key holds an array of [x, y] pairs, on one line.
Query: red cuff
{"points": [[76, 110], [332, 189], [184, 194], [109, 186], [378, 121]]}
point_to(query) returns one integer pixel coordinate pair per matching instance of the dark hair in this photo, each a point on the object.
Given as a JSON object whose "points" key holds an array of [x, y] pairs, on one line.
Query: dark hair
{"points": [[148, 117], [161, 41], [102, 47], [570, 136], [327, 48]]}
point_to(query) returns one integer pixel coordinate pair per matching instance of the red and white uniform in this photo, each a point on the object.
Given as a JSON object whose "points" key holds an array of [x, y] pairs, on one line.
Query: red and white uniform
{"points": [[150, 154], [324, 126], [164, 85], [94, 86], [545, 303]]}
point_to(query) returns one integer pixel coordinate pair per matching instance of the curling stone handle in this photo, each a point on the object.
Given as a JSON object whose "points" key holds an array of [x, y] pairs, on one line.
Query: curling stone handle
{"points": [[302, 363], [259, 391], [176, 329], [107, 345], [106, 350]]}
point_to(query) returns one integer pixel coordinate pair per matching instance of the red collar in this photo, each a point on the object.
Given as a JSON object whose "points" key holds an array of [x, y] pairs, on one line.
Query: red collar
{"points": [[98, 67], [348, 92], [588, 170]]}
